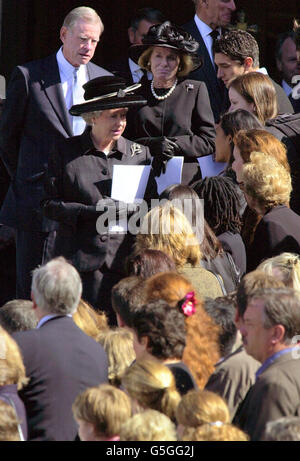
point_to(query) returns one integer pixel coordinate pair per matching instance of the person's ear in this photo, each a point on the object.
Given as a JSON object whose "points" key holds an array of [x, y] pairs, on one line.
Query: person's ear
{"points": [[278, 334], [63, 33], [34, 305], [144, 342], [279, 65], [131, 34], [248, 64]]}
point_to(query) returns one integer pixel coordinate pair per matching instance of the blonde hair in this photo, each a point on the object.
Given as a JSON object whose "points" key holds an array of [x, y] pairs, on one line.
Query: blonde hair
{"points": [[149, 426], [200, 407], [88, 320], [215, 433], [106, 407], [166, 228], [288, 265], [266, 180], [153, 385], [8, 423], [185, 64], [12, 370], [118, 345]]}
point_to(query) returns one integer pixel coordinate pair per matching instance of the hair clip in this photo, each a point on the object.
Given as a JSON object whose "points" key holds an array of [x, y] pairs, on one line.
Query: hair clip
{"points": [[216, 423], [188, 304]]}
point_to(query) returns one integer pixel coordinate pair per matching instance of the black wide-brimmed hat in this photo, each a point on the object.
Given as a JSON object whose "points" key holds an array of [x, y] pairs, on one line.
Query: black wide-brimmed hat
{"points": [[170, 36], [108, 92]]}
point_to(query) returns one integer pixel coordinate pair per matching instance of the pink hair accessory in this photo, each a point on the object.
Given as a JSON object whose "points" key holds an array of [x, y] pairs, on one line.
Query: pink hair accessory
{"points": [[189, 304]]}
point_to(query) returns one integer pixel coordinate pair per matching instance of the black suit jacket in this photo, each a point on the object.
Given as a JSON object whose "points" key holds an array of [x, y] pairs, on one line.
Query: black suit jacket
{"points": [[277, 232], [207, 73], [121, 68], [34, 118], [61, 362]]}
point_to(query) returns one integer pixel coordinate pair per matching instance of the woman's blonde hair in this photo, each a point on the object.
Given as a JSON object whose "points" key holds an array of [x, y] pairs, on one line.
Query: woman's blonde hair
{"points": [[202, 334], [185, 64], [248, 141], [148, 426], [215, 433], [166, 228], [106, 407], [118, 345], [265, 180], [153, 385], [258, 89], [9, 431], [200, 407], [288, 265], [88, 320], [12, 370]]}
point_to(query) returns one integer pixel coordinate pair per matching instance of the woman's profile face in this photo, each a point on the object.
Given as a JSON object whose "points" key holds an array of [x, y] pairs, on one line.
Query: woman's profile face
{"points": [[238, 163], [223, 145], [237, 101], [110, 124], [164, 63]]}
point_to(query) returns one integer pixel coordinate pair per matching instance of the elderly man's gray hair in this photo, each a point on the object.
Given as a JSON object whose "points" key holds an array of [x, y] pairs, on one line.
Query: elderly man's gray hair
{"points": [[57, 287]]}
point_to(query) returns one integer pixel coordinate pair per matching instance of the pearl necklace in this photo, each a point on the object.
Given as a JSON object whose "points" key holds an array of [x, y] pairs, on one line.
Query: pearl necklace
{"points": [[161, 98]]}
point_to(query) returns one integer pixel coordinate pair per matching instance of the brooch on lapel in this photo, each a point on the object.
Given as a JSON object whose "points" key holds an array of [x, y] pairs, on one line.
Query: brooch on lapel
{"points": [[189, 87], [135, 149]]}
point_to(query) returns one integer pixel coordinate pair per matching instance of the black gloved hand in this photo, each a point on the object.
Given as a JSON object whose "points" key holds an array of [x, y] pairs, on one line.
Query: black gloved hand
{"points": [[162, 151], [93, 211]]}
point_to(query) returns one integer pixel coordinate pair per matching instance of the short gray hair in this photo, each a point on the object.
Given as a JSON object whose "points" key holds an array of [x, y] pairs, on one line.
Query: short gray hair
{"points": [[57, 287], [88, 116], [281, 307], [283, 430], [85, 13]]}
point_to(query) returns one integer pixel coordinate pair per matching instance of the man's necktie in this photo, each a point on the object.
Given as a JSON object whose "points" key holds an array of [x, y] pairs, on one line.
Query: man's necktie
{"points": [[77, 122], [214, 35]]}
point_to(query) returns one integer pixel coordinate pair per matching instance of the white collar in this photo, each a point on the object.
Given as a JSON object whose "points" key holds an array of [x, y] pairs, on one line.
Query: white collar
{"points": [[262, 70], [133, 66], [66, 69], [204, 29]]}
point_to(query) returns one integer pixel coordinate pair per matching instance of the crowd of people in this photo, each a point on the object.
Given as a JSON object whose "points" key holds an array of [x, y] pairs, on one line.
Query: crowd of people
{"points": [[186, 325]]}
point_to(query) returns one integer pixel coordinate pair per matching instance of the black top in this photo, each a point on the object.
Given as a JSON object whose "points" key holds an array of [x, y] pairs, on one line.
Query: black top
{"points": [[233, 244], [185, 381]]}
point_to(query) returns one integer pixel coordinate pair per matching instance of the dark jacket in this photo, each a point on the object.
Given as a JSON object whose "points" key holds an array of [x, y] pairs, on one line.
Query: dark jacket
{"points": [[275, 394], [78, 177], [185, 117], [277, 232], [61, 362], [34, 118], [217, 92]]}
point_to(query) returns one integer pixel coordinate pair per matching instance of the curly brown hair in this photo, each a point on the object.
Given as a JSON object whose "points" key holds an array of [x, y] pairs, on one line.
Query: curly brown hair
{"points": [[163, 326], [202, 341]]}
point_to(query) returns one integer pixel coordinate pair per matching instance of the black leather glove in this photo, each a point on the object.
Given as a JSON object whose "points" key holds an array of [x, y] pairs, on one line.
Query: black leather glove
{"points": [[93, 211], [162, 149]]}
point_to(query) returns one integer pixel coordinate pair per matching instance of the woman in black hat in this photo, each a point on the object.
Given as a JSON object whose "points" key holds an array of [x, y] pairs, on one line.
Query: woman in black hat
{"points": [[79, 177], [178, 119]]}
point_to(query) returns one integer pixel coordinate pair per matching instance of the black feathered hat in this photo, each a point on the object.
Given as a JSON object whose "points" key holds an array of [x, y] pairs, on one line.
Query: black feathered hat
{"points": [[107, 92], [170, 36]]}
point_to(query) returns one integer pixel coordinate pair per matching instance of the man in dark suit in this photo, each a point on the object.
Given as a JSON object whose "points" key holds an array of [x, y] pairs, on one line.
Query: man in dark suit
{"points": [[140, 23], [237, 53], [60, 360], [35, 117], [269, 329], [210, 17]]}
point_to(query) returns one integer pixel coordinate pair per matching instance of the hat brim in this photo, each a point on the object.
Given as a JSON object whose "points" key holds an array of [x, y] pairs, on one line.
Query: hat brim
{"points": [[109, 103], [136, 51]]}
